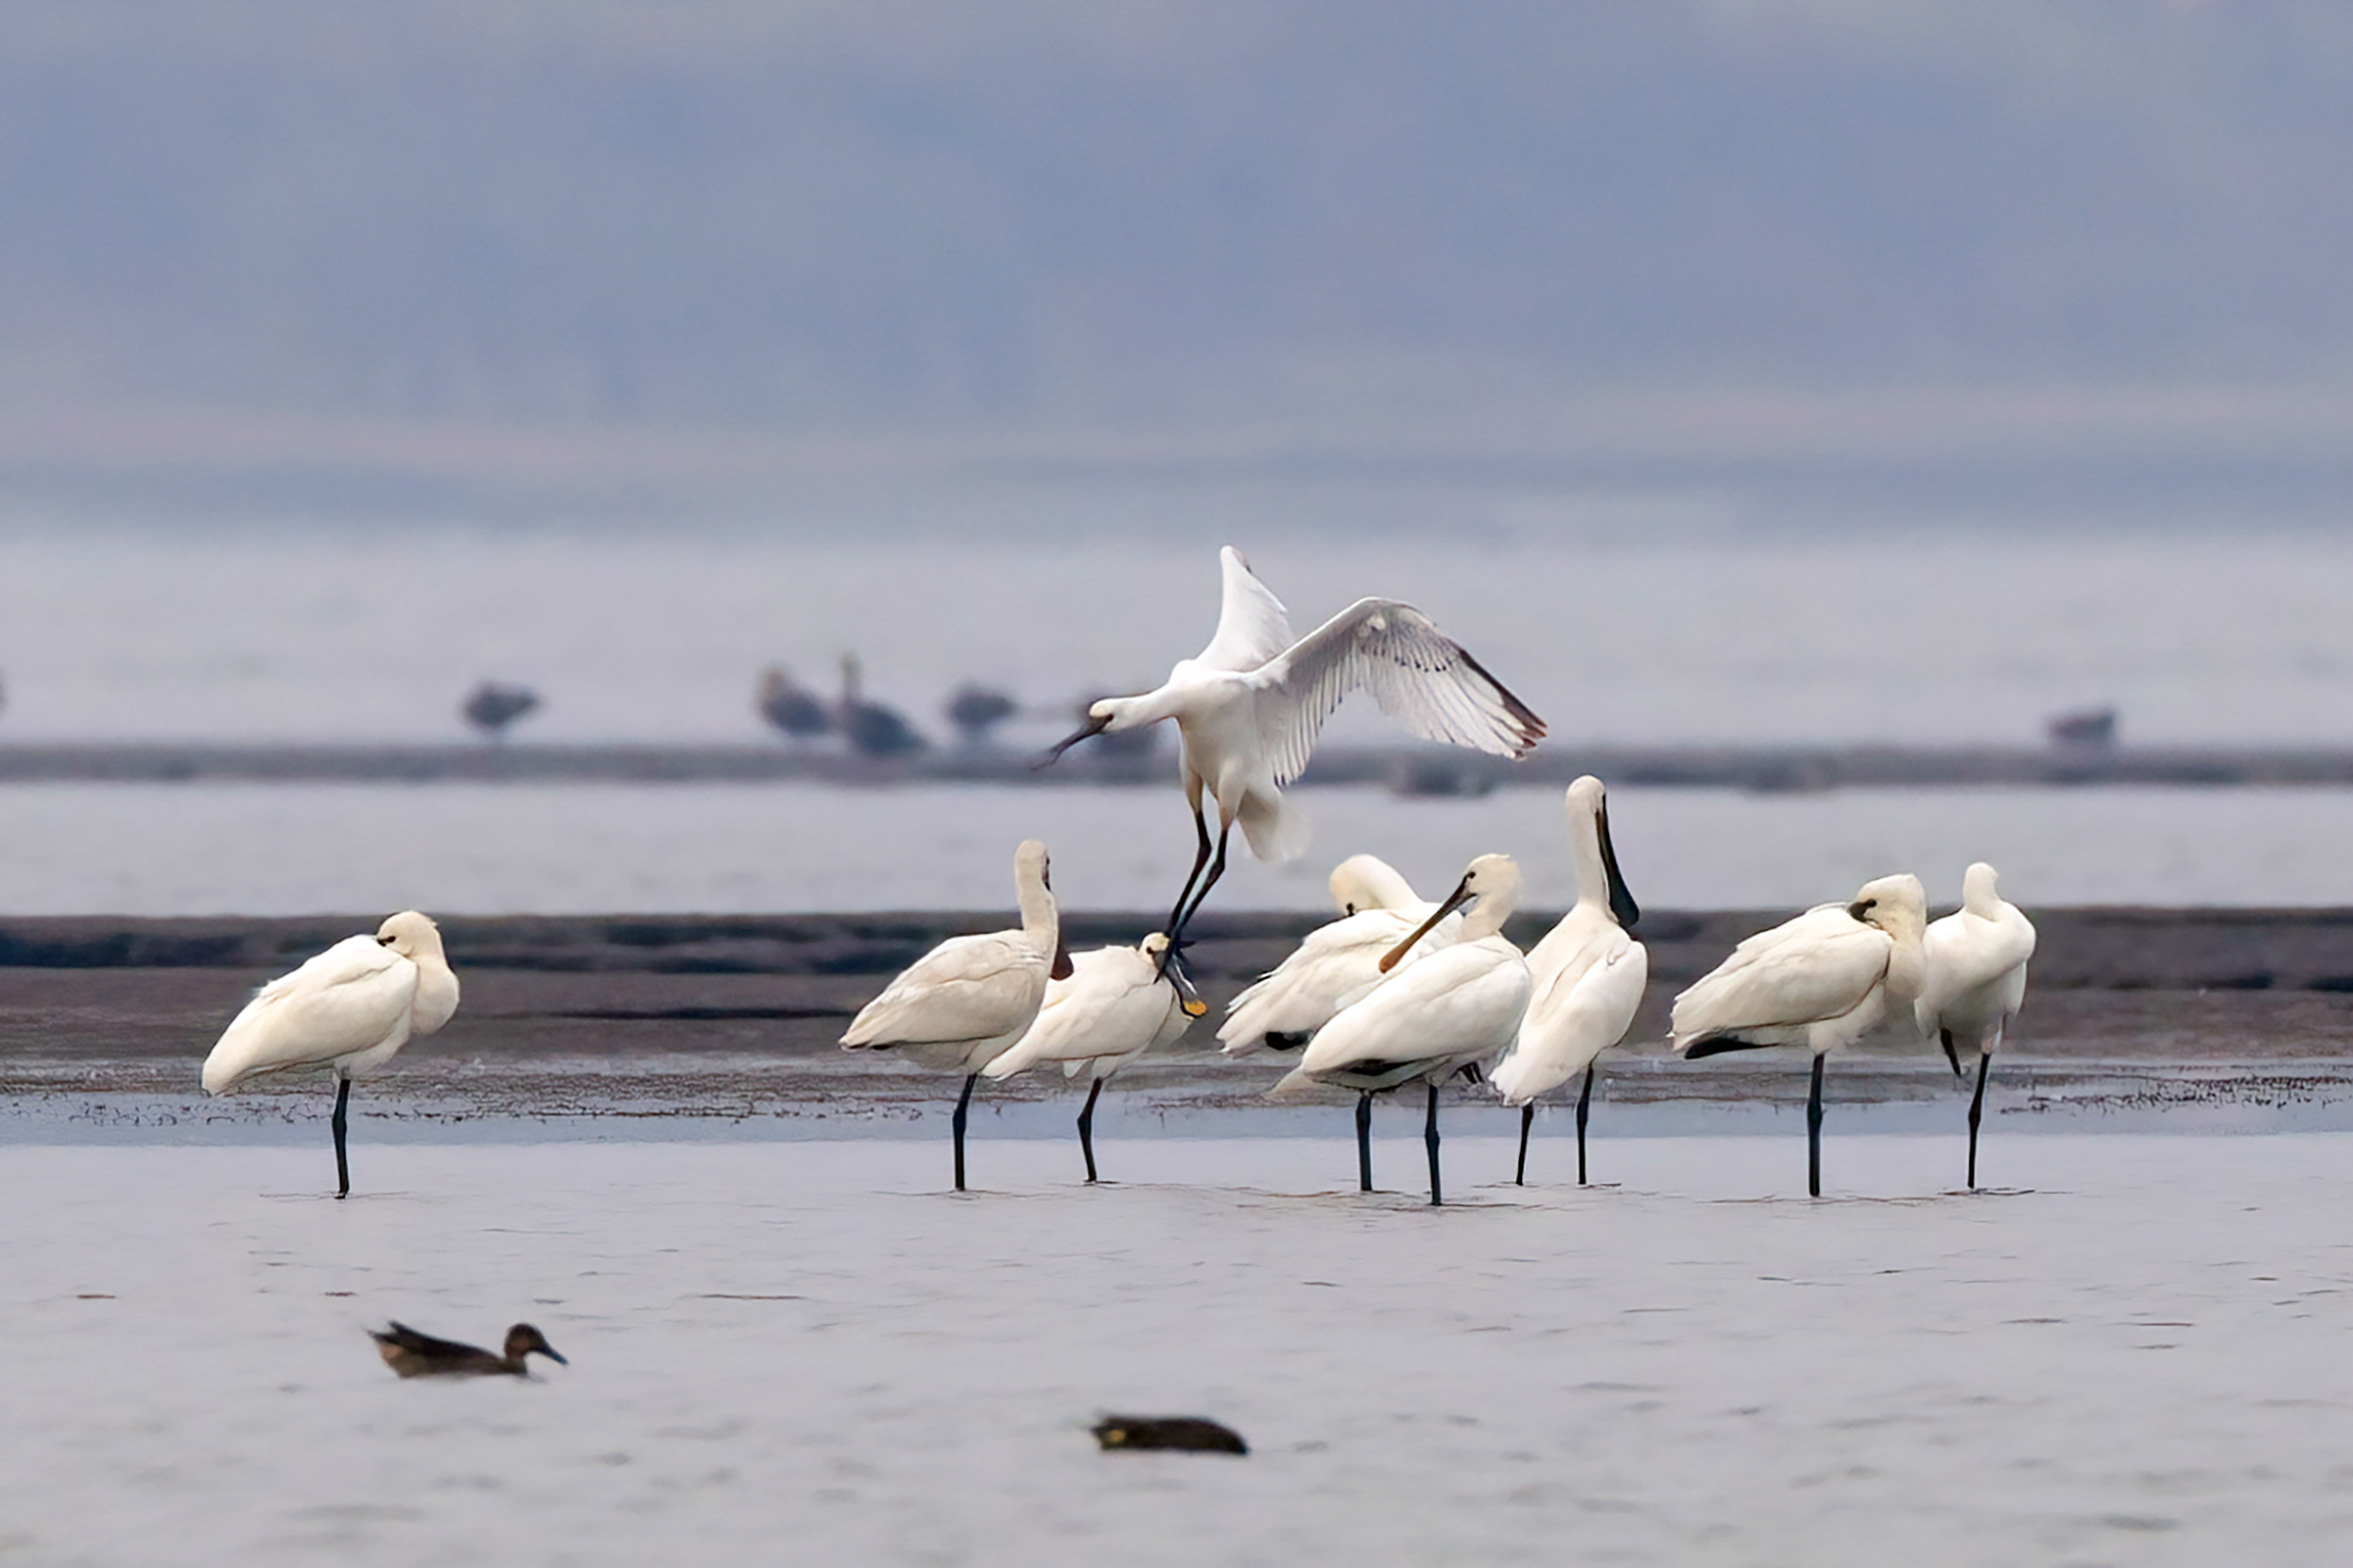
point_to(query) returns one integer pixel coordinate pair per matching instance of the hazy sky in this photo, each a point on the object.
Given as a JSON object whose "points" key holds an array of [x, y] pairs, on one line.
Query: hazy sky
{"points": [[629, 248]]}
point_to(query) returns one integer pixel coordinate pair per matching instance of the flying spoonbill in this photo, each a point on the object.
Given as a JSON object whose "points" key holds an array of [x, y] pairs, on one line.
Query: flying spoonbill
{"points": [[1430, 1019], [349, 1008], [1337, 962], [1118, 1004], [1248, 707], [1975, 980], [1819, 980], [1588, 976], [963, 1003]]}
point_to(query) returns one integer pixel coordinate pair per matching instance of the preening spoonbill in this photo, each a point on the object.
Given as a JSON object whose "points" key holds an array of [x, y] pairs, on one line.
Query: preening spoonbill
{"points": [[1586, 975], [1820, 981], [1337, 962], [1974, 981], [963, 1003], [1248, 707], [1118, 1004], [421, 1355], [349, 1008], [1429, 1019]]}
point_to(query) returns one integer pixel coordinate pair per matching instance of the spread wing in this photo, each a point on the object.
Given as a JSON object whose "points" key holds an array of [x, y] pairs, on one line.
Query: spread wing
{"points": [[1422, 678], [1253, 626]]}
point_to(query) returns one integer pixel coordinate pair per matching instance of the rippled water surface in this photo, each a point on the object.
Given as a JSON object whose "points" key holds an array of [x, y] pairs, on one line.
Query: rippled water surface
{"points": [[2131, 1353]]}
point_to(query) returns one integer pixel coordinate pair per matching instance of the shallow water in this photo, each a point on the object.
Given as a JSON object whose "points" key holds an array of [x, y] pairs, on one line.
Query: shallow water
{"points": [[453, 848], [2132, 1353]]}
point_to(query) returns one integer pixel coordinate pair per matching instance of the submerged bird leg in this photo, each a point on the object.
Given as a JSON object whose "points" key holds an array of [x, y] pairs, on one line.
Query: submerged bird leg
{"points": [[1527, 1116], [1977, 1111], [1585, 1101], [1430, 1142], [955, 1125], [1086, 1129], [1365, 1141], [1813, 1133], [338, 1122]]}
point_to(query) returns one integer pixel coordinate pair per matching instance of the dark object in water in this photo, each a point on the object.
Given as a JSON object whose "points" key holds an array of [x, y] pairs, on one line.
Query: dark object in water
{"points": [[1191, 1434], [2085, 729], [975, 710], [1438, 775], [792, 706], [413, 1356], [491, 706], [871, 728]]}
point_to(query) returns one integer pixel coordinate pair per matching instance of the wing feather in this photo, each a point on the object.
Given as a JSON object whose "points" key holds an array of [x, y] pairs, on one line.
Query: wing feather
{"points": [[967, 988], [1804, 972], [354, 996], [1422, 678], [1253, 626]]}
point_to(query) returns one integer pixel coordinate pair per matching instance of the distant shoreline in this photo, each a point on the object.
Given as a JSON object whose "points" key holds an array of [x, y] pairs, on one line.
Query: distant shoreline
{"points": [[1405, 770]]}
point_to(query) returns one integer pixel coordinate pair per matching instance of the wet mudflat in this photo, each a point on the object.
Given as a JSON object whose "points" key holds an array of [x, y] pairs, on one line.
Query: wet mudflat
{"points": [[2131, 1351]]}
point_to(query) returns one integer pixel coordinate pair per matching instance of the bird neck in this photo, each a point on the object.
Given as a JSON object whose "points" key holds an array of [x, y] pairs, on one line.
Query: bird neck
{"points": [[1592, 876], [1486, 917], [1038, 915], [1135, 712]]}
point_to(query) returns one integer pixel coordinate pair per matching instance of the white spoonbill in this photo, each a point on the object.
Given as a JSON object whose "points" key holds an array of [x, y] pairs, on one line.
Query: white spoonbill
{"points": [[1336, 963], [963, 1003], [349, 1008], [1430, 1019], [1975, 980], [1118, 1004], [1820, 981], [1587, 975], [1248, 706]]}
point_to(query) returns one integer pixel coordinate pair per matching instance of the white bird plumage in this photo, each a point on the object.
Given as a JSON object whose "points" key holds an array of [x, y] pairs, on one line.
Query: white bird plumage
{"points": [[1586, 976], [1118, 1004], [968, 1000], [1821, 980], [1429, 1019], [350, 1008], [1337, 962], [1973, 980], [1249, 708]]}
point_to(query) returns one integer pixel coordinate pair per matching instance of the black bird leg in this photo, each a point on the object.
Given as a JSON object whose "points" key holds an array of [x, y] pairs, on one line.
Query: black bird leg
{"points": [[1430, 1142], [1813, 1133], [963, 1103], [1977, 1111], [1217, 869], [1086, 1129], [1527, 1116], [1585, 1101], [1365, 1141], [1201, 858], [339, 1122]]}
